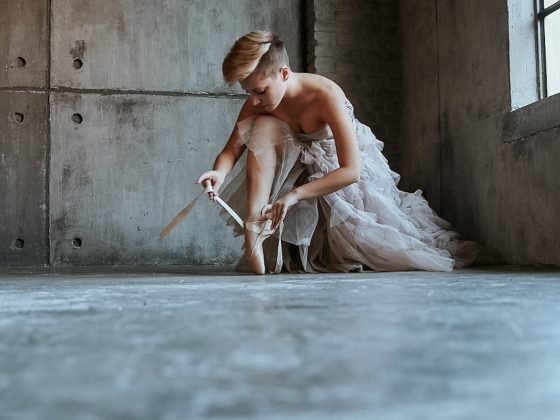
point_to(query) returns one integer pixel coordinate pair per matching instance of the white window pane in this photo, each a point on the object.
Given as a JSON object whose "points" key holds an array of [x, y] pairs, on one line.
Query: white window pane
{"points": [[552, 43], [549, 2]]}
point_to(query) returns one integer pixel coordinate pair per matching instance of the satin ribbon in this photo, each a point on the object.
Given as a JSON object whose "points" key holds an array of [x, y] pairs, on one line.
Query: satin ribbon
{"points": [[279, 256], [184, 213]]}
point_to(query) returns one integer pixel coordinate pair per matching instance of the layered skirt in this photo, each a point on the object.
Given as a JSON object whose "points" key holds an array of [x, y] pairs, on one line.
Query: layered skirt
{"points": [[368, 225]]}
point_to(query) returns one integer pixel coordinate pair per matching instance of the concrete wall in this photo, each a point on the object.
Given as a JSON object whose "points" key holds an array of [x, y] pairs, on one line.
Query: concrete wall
{"points": [[145, 79], [419, 141], [155, 112], [23, 132], [456, 116]]}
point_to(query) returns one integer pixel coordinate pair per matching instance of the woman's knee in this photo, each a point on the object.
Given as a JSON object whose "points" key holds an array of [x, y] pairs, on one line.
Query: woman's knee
{"points": [[263, 122], [267, 131]]}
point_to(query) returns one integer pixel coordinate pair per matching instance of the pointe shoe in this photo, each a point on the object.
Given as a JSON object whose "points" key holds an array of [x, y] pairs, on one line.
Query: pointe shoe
{"points": [[254, 250], [254, 253]]}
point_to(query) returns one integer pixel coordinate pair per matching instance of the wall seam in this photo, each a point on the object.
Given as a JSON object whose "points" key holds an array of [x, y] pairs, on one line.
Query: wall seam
{"points": [[48, 138], [310, 66], [440, 142], [108, 92], [17, 89], [303, 38]]}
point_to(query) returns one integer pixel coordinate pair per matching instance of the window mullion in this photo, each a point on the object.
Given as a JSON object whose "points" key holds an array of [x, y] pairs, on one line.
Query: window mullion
{"points": [[541, 49], [545, 12]]}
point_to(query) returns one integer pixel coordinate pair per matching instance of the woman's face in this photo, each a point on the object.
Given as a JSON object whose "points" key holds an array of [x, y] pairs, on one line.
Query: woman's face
{"points": [[265, 91]]}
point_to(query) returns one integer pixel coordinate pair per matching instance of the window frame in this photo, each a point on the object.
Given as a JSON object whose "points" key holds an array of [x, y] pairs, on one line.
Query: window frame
{"points": [[531, 113], [540, 15]]}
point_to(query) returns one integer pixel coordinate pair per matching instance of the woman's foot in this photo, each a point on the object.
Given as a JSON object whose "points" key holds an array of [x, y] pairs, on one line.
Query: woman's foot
{"points": [[255, 234]]}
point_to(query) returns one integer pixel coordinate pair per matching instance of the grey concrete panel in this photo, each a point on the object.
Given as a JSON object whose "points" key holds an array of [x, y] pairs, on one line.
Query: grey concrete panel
{"points": [[171, 45], [420, 101], [527, 207], [23, 35], [120, 175], [474, 86], [473, 73], [23, 208]]}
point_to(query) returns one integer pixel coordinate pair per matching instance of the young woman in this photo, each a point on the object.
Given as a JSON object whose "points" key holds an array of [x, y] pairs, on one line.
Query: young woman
{"points": [[316, 179]]}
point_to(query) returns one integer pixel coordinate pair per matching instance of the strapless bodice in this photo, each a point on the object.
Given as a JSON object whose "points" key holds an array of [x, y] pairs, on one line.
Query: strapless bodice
{"points": [[325, 132], [320, 134]]}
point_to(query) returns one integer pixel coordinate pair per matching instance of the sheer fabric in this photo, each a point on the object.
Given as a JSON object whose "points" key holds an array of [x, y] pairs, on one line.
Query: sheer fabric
{"points": [[369, 225]]}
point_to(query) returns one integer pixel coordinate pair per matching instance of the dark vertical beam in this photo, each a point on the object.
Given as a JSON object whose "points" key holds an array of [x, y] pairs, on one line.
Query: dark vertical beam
{"points": [[440, 140], [48, 138]]}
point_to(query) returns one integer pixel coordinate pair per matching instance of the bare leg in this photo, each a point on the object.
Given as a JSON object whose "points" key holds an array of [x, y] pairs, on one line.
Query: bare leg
{"points": [[260, 175]]}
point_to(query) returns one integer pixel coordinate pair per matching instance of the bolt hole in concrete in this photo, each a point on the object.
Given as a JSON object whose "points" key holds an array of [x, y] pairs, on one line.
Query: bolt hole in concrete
{"points": [[18, 117], [77, 63], [21, 62], [77, 243], [77, 118], [18, 243]]}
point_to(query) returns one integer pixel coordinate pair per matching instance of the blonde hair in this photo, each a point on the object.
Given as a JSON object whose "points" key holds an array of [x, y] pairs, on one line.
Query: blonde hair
{"points": [[258, 51]]}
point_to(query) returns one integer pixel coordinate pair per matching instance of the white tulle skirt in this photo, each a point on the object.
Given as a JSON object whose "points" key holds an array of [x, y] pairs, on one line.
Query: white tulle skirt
{"points": [[369, 225]]}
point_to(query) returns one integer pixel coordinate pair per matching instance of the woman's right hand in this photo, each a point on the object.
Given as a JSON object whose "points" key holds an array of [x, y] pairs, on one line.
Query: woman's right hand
{"points": [[216, 178]]}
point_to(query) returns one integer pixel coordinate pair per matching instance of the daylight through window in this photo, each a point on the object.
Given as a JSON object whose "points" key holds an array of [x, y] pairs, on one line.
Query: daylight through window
{"points": [[548, 17]]}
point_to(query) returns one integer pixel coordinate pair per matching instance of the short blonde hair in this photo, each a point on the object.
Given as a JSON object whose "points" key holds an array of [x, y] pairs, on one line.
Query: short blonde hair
{"points": [[258, 51]]}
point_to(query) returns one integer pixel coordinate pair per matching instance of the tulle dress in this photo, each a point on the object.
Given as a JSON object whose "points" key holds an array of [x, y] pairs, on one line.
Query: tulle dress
{"points": [[368, 225]]}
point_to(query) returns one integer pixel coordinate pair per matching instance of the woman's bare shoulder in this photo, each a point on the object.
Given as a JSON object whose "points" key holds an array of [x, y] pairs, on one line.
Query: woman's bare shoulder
{"points": [[324, 89]]}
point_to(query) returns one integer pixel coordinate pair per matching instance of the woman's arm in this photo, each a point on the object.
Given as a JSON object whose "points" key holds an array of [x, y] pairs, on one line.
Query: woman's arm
{"points": [[230, 154], [333, 112]]}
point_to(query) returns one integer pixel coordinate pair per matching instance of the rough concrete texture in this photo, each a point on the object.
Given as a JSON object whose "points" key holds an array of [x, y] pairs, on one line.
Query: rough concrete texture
{"points": [[165, 45], [356, 44], [122, 174], [537, 117], [155, 113], [23, 195], [420, 101], [23, 43], [502, 194], [191, 344]]}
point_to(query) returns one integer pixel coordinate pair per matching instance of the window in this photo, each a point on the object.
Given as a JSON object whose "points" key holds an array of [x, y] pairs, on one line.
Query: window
{"points": [[523, 63], [548, 27], [534, 69]]}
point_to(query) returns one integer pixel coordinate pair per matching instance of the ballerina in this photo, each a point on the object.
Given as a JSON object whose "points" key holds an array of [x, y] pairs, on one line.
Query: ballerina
{"points": [[316, 179]]}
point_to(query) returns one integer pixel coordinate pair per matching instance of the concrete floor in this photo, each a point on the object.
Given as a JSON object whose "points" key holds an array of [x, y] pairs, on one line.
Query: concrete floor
{"points": [[187, 343]]}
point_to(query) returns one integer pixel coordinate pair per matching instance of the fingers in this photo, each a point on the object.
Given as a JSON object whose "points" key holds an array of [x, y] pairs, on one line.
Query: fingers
{"points": [[278, 213], [205, 175], [208, 175], [266, 211], [216, 186], [214, 179], [210, 184], [207, 183]]}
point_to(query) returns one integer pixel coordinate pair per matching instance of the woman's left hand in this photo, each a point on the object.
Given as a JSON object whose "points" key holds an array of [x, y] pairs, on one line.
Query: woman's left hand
{"points": [[281, 206]]}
